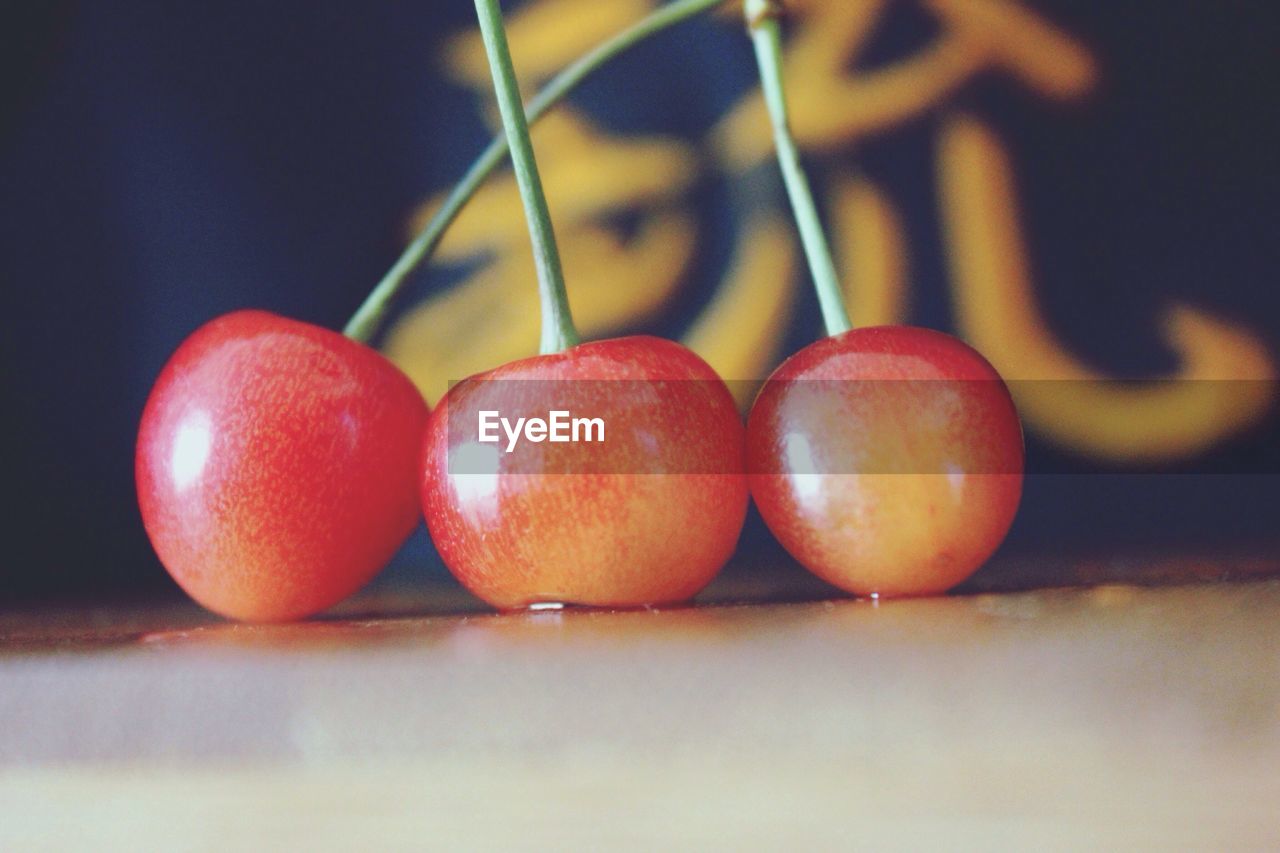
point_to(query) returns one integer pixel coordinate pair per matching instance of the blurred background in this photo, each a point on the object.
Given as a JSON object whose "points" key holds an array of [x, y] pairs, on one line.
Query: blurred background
{"points": [[1084, 191]]}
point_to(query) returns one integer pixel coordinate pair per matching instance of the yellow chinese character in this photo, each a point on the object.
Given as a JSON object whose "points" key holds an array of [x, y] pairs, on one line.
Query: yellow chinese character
{"points": [[1222, 386], [617, 281]]}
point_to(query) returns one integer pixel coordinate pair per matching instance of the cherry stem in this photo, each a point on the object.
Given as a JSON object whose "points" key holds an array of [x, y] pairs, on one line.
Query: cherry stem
{"points": [[766, 35], [364, 324], [558, 332]]}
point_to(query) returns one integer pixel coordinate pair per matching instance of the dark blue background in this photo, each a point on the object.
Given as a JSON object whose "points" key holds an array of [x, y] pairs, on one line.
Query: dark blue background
{"points": [[161, 163]]}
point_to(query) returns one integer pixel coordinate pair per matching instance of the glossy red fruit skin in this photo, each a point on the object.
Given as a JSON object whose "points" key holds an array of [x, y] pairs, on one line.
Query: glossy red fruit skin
{"points": [[276, 465], [907, 487], [604, 534]]}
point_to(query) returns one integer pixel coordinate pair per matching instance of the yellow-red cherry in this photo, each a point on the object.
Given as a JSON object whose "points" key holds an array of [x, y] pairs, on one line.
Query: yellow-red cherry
{"points": [[887, 460], [646, 516], [276, 465]]}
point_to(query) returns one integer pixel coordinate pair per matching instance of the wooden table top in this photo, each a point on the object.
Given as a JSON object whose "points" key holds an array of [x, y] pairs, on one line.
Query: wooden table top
{"points": [[1115, 715]]}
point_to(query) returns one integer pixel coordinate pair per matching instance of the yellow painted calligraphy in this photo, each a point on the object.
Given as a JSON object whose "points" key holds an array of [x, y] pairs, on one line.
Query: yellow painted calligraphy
{"points": [[1223, 384], [618, 280]]}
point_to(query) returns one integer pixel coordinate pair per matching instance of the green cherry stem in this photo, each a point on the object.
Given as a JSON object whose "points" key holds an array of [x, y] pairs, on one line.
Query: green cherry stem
{"points": [[766, 35], [365, 323], [558, 332]]}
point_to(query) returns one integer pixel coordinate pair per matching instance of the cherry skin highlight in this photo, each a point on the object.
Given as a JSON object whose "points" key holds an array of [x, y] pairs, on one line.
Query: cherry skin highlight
{"points": [[647, 516], [887, 460], [276, 465]]}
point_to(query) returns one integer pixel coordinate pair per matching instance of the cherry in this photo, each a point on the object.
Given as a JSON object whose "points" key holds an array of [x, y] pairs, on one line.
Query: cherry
{"points": [[644, 513], [276, 465], [887, 460], [647, 516]]}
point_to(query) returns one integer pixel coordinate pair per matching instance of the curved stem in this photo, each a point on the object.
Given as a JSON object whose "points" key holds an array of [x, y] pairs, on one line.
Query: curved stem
{"points": [[766, 35], [365, 323]]}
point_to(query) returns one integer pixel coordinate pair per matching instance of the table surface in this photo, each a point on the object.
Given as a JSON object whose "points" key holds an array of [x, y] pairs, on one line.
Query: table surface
{"points": [[1114, 715]]}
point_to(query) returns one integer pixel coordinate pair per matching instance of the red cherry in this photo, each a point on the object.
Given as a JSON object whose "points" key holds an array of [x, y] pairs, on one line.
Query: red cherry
{"points": [[887, 460], [647, 516], [276, 465]]}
